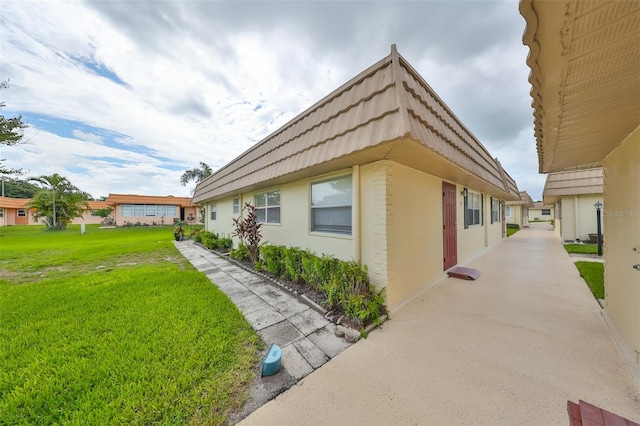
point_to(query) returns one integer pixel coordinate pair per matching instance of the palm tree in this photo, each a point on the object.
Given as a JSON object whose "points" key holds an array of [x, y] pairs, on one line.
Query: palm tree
{"points": [[58, 202], [196, 174]]}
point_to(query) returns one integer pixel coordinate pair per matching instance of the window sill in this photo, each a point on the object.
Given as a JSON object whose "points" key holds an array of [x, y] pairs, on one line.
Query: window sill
{"points": [[331, 235]]}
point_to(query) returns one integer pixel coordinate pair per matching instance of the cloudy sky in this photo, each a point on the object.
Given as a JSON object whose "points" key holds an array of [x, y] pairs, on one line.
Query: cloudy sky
{"points": [[123, 96]]}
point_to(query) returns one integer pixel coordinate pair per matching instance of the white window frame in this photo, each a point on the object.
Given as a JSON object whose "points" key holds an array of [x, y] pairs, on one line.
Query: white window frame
{"points": [[331, 207], [147, 210], [1, 212], [507, 211], [548, 212], [236, 205], [267, 210], [22, 213], [473, 203], [495, 210], [213, 211]]}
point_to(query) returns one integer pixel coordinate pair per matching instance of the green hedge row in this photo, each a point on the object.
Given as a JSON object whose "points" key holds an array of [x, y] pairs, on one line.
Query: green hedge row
{"points": [[211, 240], [345, 284]]}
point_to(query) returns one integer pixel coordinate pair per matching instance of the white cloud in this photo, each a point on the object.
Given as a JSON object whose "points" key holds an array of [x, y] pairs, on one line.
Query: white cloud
{"points": [[203, 81]]}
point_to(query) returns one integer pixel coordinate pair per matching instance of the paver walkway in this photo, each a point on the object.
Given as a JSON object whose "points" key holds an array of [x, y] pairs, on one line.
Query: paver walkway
{"points": [[307, 339], [509, 348]]}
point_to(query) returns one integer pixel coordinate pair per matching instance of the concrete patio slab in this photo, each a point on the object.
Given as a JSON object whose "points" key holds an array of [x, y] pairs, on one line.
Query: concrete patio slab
{"points": [[250, 304], [326, 341], [263, 318], [282, 334], [314, 356], [308, 321], [294, 362], [294, 307], [510, 348]]}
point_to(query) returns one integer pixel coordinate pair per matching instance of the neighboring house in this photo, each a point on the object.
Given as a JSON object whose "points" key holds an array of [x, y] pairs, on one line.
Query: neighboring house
{"points": [[379, 171], [89, 216], [517, 212], [573, 195], [586, 98], [131, 209], [127, 209], [13, 211], [541, 211]]}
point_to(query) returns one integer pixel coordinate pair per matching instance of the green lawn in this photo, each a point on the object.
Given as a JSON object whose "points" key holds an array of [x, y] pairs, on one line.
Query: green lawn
{"points": [[511, 231], [593, 275], [115, 327], [581, 248]]}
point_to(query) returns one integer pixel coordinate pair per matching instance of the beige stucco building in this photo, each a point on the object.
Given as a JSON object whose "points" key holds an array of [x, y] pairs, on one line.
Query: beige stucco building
{"points": [[13, 211], [541, 211], [573, 195], [379, 171], [129, 209], [584, 59], [517, 212]]}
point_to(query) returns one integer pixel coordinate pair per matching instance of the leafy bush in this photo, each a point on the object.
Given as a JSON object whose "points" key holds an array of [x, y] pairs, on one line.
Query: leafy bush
{"points": [[513, 225], [272, 259], [212, 240], [239, 253], [346, 285]]}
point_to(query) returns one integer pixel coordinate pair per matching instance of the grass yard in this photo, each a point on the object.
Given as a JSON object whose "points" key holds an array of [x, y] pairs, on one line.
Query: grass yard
{"points": [[511, 231], [593, 275], [581, 248], [115, 327]]}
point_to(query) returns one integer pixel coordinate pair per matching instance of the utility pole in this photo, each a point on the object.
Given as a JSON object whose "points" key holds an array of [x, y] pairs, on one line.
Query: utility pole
{"points": [[54, 206]]}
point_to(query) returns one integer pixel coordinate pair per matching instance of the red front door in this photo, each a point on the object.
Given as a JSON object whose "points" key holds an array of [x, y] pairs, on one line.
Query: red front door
{"points": [[449, 232]]}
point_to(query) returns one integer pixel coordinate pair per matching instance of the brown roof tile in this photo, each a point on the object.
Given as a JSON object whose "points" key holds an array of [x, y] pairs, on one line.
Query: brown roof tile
{"points": [[380, 113]]}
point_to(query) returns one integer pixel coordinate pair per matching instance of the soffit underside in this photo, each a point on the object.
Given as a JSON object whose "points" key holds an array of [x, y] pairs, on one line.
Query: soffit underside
{"points": [[585, 76]]}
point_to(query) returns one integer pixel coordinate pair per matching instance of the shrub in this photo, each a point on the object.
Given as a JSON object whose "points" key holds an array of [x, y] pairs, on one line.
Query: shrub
{"points": [[272, 259], [225, 243], [345, 285], [513, 225], [293, 263], [212, 240], [239, 253], [247, 229]]}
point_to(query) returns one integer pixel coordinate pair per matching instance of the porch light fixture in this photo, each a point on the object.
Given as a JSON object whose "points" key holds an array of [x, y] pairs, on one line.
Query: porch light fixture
{"points": [[598, 207]]}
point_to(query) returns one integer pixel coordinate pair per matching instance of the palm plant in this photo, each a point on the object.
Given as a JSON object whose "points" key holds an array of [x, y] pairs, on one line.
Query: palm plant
{"points": [[196, 174], [58, 202]]}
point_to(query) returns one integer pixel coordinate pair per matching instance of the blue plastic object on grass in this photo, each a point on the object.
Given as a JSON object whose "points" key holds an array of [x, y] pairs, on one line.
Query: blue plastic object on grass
{"points": [[272, 361]]}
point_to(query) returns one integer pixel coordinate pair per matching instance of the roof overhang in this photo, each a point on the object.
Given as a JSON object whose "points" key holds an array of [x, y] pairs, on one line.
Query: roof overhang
{"points": [[525, 200], [585, 77], [575, 182]]}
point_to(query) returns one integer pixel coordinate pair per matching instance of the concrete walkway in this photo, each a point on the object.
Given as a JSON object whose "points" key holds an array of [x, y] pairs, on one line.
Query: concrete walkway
{"points": [[307, 339], [509, 348]]}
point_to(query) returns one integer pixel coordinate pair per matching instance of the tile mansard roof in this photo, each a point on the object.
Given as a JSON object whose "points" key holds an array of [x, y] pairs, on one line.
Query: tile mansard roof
{"points": [[541, 205], [524, 200], [585, 76], [13, 203], [114, 199], [574, 182], [20, 203], [97, 205], [386, 112]]}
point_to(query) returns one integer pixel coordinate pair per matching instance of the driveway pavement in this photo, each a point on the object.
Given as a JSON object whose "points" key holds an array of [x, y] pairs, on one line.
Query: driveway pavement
{"points": [[509, 348]]}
